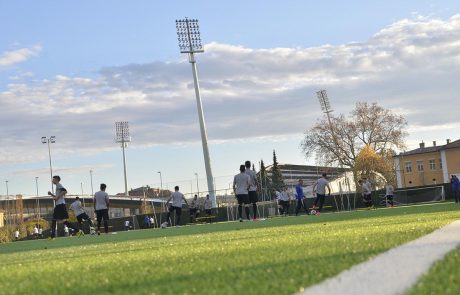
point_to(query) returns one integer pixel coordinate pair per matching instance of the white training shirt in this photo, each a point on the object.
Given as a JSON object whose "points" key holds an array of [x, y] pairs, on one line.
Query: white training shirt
{"points": [[77, 208], [194, 204], [60, 192], [284, 196], [389, 190], [365, 187], [16, 234], [321, 185], [101, 198], [177, 198], [40, 231], [242, 182], [66, 229], [253, 179], [207, 204], [35, 230], [127, 223]]}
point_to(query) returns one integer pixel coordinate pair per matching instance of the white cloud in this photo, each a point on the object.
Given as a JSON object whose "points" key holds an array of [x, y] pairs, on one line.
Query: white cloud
{"points": [[10, 58], [411, 66]]}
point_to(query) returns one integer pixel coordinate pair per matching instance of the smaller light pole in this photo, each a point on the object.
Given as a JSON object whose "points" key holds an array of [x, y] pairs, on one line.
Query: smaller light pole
{"points": [[91, 177], [122, 131], [51, 139], [83, 198], [38, 197], [161, 190], [8, 202], [197, 185]]}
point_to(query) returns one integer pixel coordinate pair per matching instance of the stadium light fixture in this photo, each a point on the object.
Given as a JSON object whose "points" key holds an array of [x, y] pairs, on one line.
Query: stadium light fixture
{"points": [[46, 140], [123, 137], [189, 38]]}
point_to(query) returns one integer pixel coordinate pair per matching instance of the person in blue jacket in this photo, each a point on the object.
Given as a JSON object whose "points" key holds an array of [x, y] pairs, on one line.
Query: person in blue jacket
{"points": [[300, 197], [455, 188]]}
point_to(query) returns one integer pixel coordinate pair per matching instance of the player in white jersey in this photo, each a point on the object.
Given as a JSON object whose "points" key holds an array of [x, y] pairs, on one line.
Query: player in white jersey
{"points": [[207, 206], [283, 198], [81, 215], [241, 185], [367, 193], [252, 193], [176, 205], [60, 210], [320, 189], [193, 209], [389, 193], [101, 207]]}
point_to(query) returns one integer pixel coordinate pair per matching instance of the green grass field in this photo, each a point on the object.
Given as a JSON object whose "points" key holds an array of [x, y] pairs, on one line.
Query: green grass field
{"points": [[443, 278], [277, 256]]}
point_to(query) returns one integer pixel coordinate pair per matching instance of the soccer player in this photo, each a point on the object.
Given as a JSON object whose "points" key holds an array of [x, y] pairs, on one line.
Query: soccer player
{"points": [[207, 206], [101, 207], [300, 197], [176, 205], [241, 185], [253, 198], [81, 215], [60, 210], [16, 235], [36, 232], [194, 208], [127, 225], [367, 193], [284, 201], [455, 182], [389, 194], [320, 189]]}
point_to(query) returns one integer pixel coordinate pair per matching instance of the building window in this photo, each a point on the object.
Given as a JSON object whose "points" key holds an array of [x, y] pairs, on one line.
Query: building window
{"points": [[420, 166], [440, 164], [432, 165], [408, 167]]}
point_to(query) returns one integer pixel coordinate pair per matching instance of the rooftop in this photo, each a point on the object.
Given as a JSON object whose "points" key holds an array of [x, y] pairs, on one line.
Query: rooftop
{"points": [[435, 148]]}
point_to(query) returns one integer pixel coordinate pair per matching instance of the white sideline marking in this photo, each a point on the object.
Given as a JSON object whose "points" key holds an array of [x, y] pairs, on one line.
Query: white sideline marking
{"points": [[395, 271]]}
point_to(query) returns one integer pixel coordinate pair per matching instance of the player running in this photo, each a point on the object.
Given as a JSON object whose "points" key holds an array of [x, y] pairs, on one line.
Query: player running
{"points": [[300, 197], [101, 207], [241, 185], [367, 193], [176, 205], [60, 210], [253, 198], [320, 189], [389, 195], [81, 215]]}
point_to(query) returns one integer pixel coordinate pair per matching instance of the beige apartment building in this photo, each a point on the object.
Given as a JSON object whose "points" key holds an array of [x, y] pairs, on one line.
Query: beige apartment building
{"points": [[428, 165]]}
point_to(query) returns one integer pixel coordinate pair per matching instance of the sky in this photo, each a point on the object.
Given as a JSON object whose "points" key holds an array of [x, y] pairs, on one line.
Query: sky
{"points": [[72, 69]]}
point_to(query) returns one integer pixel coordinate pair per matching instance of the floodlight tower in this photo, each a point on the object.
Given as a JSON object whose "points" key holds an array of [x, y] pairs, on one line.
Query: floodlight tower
{"points": [[325, 104], [326, 108], [188, 35], [49, 141], [122, 131]]}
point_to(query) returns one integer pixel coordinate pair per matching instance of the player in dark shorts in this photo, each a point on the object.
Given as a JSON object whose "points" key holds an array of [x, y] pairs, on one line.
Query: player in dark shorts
{"points": [[253, 198], [241, 184], [81, 215], [101, 207], [60, 210], [176, 205]]}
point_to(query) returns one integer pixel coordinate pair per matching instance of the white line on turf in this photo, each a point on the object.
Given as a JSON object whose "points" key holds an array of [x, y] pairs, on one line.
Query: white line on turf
{"points": [[395, 271]]}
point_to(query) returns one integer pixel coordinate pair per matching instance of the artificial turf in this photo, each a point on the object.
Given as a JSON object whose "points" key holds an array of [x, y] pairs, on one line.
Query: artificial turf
{"points": [[443, 278], [276, 256]]}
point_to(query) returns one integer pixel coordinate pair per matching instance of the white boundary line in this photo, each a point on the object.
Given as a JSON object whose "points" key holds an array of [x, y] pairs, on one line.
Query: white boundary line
{"points": [[395, 271]]}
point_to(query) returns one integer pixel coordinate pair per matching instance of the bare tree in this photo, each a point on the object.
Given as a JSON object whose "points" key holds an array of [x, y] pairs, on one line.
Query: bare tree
{"points": [[340, 142]]}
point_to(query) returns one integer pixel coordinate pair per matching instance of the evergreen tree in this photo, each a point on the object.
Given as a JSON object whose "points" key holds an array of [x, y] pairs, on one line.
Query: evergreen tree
{"points": [[263, 181], [277, 178]]}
